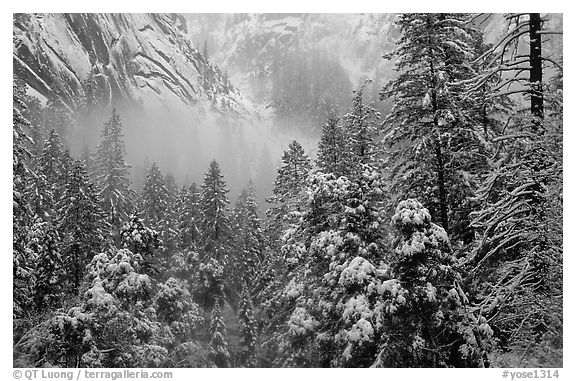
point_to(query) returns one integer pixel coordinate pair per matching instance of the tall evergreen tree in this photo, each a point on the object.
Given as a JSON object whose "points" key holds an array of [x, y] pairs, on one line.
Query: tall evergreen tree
{"points": [[214, 224], [429, 321], [188, 216], [170, 231], [34, 114], [40, 195], [154, 200], [82, 224], [248, 328], [215, 235], [432, 139], [293, 173], [44, 244], [249, 237], [112, 174], [288, 189], [361, 133], [332, 260], [22, 264], [332, 156], [140, 239], [218, 341], [51, 161]]}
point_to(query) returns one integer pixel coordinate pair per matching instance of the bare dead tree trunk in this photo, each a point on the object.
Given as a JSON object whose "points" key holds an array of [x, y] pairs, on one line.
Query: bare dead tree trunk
{"points": [[536, 96]]}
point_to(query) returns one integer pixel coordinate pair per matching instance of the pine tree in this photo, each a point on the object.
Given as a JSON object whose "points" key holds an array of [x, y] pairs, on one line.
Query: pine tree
{"points": [[333, 261], [47, 183], [248, 330], [171, 187], [293, 172], [249, 237], [40, 195], [432, 138], [34, 114], [214, 224], [111, 174], [52, 159], [170, 231], [288, 188], [215, 235], [361, 133], [143, 241], [82, 224], [44, 243], [428, 321], [153, 203], [22, 263], [187, 211], [332, 148], [218, 341]]}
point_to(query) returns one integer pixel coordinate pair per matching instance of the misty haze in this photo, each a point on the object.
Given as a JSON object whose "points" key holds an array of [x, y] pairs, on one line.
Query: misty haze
{"points": [[287, 190]]}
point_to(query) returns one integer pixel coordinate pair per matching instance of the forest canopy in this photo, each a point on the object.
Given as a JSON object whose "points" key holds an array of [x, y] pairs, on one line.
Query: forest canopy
{"points": [[427, 236]]}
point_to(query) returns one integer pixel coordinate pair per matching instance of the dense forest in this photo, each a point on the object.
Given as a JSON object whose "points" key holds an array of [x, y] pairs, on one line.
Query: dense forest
{"points": [[427, 237]]}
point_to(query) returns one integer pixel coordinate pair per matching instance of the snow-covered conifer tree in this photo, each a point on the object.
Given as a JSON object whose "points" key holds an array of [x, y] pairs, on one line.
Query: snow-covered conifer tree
{"points": [[153, 201], [332, 153], [428, 321], [21, 262], [187, 215], [248, 330], [214, 224], [81, 222], [248, 236], [44, 244], [218, 341], [432, 139], [111, 174], [361, 133]]}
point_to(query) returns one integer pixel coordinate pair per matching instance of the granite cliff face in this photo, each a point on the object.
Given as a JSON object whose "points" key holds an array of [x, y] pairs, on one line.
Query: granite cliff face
{"points": [[133, 58]]}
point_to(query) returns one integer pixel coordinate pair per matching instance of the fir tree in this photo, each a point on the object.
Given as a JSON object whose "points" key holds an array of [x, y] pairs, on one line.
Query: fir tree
{"points": [[34, 114], [40, 195], [332, 266], [45, 243], [288, 188], [248, 330], [170, 231], [82, 223], [22, 263], [187, 211], [332, 148], [249, 237], [428, 321], [432, 138], [143, 241], [361, 133], [52, 159], [214, 223], [218, 341], [153, 203], [112, 174], [292, 174]]}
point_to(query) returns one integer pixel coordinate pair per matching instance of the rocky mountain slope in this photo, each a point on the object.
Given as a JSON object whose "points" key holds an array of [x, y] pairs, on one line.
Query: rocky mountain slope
{"points": [[135, 58]]}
